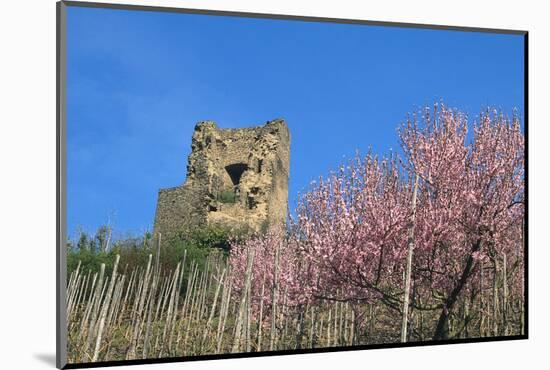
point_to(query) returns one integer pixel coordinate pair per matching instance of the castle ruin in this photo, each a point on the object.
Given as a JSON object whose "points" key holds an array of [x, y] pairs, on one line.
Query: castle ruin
{"points": [[236, 178]]}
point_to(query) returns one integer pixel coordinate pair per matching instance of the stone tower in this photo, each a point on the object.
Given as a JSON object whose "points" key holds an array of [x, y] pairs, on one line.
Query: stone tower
{"points": [[237, 178]]}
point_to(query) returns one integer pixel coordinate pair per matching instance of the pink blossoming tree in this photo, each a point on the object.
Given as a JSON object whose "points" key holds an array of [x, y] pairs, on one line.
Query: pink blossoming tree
{"points": [[351, 232]]}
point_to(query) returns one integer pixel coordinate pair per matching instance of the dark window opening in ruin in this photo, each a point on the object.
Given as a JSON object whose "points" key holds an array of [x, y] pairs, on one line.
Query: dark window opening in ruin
{"points": [[235, 171], [251, 202], [260, 163]]}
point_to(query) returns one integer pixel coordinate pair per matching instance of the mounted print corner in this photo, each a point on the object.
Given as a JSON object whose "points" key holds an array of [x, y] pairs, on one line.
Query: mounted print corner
{"points": [[235, 184]]}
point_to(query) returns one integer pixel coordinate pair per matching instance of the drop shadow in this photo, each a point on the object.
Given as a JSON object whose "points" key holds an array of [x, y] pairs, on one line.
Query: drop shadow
{"points": [[47, 358]]}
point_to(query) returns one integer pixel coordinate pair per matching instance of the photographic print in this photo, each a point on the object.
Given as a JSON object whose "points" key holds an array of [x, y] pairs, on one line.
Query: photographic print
{"points": [[244, 185]]}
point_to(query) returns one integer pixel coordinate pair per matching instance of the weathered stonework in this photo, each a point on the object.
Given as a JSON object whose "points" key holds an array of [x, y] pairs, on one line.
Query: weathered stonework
{"points": [[237, 178]]}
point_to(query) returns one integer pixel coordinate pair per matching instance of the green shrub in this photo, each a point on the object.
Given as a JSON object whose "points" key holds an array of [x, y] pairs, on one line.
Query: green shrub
{"points": [[198, 243], [90, 261], [208, 237], [227, 196]]}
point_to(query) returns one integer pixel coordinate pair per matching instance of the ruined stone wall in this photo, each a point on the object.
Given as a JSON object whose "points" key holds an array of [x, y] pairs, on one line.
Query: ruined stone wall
{"points": [[237, 178]]}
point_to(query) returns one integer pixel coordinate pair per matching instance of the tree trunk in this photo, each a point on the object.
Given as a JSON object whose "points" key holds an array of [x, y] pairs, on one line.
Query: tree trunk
{"points": [[442, 328]]}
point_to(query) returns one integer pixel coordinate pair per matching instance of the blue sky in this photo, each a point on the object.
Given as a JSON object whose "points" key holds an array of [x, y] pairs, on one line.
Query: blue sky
{"points": [[139, 81]]}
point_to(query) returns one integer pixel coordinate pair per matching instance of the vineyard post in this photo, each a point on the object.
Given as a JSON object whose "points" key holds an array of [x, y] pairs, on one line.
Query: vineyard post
{"points": [[213, 309], [94, 312], [241, 311], [260, 319], [274, 297], [495, 296], [104, 309], [152, 295], [409, 263], [504, 296]]}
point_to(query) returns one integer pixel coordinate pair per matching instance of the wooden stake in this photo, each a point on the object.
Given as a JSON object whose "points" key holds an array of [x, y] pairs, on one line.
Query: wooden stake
{"points": [[408, 270]]}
